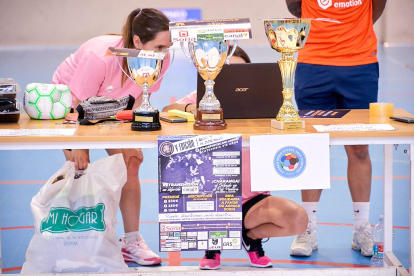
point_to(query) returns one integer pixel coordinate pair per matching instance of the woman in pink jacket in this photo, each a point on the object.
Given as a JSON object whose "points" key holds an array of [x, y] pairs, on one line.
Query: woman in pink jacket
{"points": [[89, 73]]}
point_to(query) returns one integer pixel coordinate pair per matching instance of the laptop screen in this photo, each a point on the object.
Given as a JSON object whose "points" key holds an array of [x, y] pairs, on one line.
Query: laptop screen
{"points": [[247, 90]]}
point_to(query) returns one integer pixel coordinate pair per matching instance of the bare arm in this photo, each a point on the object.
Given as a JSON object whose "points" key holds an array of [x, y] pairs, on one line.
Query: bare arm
{"points": [[378, 7], [81, 158], [174, 106], [295, 7], [181, 107]]}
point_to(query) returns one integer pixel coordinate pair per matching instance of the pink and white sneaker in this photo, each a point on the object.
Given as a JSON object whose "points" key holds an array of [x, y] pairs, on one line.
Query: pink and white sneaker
{"points": [[139, 252], [211, 260], [255, 252]]}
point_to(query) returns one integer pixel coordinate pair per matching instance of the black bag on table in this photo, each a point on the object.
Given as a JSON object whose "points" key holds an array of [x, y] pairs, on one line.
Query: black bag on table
{"points": [[102, 108]]}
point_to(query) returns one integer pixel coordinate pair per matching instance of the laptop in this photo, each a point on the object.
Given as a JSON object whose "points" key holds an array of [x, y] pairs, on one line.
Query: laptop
{"points": [[247, 90]]}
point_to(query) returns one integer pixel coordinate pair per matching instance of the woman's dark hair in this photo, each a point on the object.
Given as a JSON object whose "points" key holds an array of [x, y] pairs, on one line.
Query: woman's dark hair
{"points": [[239, 52], [145, 23]]}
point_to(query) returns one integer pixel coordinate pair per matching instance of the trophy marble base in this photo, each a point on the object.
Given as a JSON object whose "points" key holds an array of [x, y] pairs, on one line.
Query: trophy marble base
{"points": [[146, 121], [210, 120], [287, 125]]}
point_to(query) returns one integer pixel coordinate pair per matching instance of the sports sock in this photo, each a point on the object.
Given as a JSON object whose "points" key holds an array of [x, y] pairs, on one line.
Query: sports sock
{"points": [[361, 213], [131, 236], [311, 209]]}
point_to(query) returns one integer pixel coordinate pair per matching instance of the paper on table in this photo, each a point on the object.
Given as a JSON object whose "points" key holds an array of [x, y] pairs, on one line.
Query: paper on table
{"points": [[37, 132], [354, 127]]}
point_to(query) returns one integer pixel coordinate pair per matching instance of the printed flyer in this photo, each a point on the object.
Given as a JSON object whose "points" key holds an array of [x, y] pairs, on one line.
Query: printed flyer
{"points": [[200, 192]]}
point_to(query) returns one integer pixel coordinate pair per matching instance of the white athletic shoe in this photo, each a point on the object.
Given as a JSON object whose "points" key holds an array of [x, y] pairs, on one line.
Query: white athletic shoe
{"points": [[305, 243], [362, 239], [139, 252]]}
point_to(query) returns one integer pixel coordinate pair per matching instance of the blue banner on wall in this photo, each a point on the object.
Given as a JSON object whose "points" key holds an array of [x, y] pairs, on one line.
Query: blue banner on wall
{"points": [[182, 14]]}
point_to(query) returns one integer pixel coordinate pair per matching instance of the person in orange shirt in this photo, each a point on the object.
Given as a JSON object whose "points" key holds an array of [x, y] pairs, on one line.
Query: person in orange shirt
{"points": [[338, 69]]}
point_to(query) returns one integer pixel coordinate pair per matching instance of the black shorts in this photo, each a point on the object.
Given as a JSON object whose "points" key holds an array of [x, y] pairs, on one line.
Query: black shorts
{"points": [[249, 204]]}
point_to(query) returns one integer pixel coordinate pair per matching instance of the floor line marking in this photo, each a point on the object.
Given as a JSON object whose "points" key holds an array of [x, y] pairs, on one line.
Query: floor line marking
{"points": [[146, 181], [156, 222], [44, 181], [174, 259], [11, 269]]}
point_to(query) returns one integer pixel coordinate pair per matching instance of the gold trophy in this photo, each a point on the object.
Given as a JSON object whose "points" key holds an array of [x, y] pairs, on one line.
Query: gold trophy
{"points": [[208, 58], [144, 68], [287, 36], [208, 45]]}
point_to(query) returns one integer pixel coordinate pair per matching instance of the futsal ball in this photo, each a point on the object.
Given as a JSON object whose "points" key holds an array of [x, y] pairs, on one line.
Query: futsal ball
{"points": [[289, 162], [47, 101]]}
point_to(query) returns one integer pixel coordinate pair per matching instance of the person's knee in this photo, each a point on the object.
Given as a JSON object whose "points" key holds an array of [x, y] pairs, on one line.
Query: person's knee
{"points": [[133, 166], [298, 220], [360, 152]]}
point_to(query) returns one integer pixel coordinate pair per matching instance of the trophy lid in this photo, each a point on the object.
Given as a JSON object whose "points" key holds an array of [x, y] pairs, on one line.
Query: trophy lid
{"points": [[298, 20], [218, 29], [126, 52]]}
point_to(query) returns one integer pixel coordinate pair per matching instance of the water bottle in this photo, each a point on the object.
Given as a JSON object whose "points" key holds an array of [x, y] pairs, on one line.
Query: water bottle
{"points": [[377, 259], [378, 238]]}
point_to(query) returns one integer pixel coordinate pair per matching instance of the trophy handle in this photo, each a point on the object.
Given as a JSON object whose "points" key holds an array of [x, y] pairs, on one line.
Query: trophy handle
{"points": [[232, 51], [186, 53], [120, 66], [161, 76]]}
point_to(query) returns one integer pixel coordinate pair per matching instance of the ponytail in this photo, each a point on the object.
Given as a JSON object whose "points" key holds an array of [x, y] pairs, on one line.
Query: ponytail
{"points": [[127, 30], [144, 23]]}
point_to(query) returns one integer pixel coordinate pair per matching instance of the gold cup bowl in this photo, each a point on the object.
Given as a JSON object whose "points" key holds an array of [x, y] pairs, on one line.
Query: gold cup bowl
{"points": [[287, 36], [209, 57]]}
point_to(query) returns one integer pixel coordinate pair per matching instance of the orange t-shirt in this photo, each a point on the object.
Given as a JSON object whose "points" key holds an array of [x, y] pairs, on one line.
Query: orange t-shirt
{"points": [[352, 42]]}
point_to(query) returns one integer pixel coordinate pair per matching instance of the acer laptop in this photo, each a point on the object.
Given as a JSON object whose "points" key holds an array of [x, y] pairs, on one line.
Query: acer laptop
{"points": [[247, 90]]}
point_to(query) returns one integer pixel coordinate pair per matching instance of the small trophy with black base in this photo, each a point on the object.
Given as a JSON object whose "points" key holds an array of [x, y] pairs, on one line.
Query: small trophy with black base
{"points": [[145, 69]]}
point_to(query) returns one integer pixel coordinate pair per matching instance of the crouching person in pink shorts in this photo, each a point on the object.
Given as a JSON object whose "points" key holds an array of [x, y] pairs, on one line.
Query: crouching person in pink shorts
{"points": [[264, 216]]}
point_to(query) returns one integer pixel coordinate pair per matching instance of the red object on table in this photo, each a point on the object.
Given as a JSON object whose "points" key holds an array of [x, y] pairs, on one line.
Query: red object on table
{"points": [[124, 115]]}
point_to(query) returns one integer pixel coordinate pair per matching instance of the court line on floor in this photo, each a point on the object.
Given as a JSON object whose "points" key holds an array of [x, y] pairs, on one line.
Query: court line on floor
{"points": [[156, 222], [176, 260], [44, 181], [177, 263], [334, 178], [10, 269]]}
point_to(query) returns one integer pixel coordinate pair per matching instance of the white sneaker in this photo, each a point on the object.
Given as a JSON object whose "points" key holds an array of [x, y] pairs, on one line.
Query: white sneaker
{"points": [[362, 240], [139, 252], [305, 243]]}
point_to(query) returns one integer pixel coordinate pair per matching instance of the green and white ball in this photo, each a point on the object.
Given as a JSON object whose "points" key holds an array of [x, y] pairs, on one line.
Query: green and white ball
{"points": [[47, 101]]}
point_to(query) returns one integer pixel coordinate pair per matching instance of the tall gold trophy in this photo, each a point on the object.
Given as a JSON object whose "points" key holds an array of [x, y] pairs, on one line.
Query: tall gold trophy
{"points": [[207, 48], [287, 36]]}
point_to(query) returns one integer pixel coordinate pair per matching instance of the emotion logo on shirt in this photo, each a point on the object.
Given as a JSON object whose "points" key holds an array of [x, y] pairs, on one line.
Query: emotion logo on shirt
{"points": [[324, 4]]}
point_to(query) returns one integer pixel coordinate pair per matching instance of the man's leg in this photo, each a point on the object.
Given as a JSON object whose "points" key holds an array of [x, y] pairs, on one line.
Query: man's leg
{"points": [[359, 172], [307, 241], [312, 93], [359, 181], [134, 247]]}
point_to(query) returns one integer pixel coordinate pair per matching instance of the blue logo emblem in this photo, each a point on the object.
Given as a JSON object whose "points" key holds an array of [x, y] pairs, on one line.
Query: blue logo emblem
{"points": [[166, 148], [289, 162]]}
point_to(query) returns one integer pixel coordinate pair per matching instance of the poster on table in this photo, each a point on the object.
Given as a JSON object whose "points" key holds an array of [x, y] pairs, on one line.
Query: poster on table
{"points": [[200, 189], [290, 162]]}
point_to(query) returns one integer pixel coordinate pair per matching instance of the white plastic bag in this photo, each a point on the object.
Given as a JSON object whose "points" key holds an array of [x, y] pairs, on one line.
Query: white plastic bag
{"points": [[75, 220]]}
